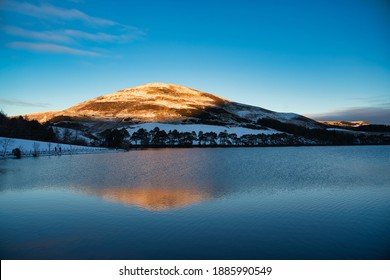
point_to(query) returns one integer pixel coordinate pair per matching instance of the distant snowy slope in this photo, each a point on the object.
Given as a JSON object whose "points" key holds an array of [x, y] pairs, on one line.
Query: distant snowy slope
{"points": [[345, 123], [254, 113]]}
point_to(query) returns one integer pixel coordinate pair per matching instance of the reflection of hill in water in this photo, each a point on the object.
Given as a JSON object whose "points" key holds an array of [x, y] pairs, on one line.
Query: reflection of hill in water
{"points": [[152, 198]]}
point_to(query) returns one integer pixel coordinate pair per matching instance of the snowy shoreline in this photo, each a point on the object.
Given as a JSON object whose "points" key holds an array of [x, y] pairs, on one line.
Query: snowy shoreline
{"points": [[33, 148]]}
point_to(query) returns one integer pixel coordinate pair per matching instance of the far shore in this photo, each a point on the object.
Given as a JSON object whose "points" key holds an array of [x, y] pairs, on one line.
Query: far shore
{"points": [[32, 148]]}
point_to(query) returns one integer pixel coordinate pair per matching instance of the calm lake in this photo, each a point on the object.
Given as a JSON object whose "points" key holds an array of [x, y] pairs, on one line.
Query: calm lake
{"points": [[200, 203]]}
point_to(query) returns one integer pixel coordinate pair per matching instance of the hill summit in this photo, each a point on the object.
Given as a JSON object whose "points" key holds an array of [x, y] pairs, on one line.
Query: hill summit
{"points": [[168, 103]]}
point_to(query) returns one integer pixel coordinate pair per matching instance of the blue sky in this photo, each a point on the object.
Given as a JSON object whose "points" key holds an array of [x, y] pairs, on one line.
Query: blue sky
{"points": [[324, 59]]}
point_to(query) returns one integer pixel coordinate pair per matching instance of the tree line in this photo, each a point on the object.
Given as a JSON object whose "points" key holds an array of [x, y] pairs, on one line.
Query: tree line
{"points": [[25, 129], [121, 138]]}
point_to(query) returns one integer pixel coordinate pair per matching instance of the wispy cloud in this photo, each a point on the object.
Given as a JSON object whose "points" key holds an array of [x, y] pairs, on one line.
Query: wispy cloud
{"points": [[68, 35], [52, 48], [14, 102], [378, 100], [374, 115], [37, 35], [96, 30], [104, 37], [48, 11]]}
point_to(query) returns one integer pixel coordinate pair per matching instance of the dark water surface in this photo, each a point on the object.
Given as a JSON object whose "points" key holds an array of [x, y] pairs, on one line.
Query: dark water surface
{"points": [[211, 203]]}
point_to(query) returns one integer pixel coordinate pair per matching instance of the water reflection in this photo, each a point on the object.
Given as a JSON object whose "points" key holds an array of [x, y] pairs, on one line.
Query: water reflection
{"points": [[260, 203], [152, 198]]}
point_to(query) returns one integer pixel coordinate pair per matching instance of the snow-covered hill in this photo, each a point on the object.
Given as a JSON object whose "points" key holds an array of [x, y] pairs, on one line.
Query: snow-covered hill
{"points": [[145, 103], [167, 103]]}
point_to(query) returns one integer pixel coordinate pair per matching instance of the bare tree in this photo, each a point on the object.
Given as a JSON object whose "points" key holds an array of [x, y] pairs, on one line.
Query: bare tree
{"points": [[67, 136], [4, 143], [35, 149], [49, 147], [76, 136]]}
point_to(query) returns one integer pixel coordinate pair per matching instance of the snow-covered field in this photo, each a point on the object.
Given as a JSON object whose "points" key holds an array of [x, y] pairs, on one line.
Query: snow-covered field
{"points": [[39, 148], [73, 134], [200, 127]]}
